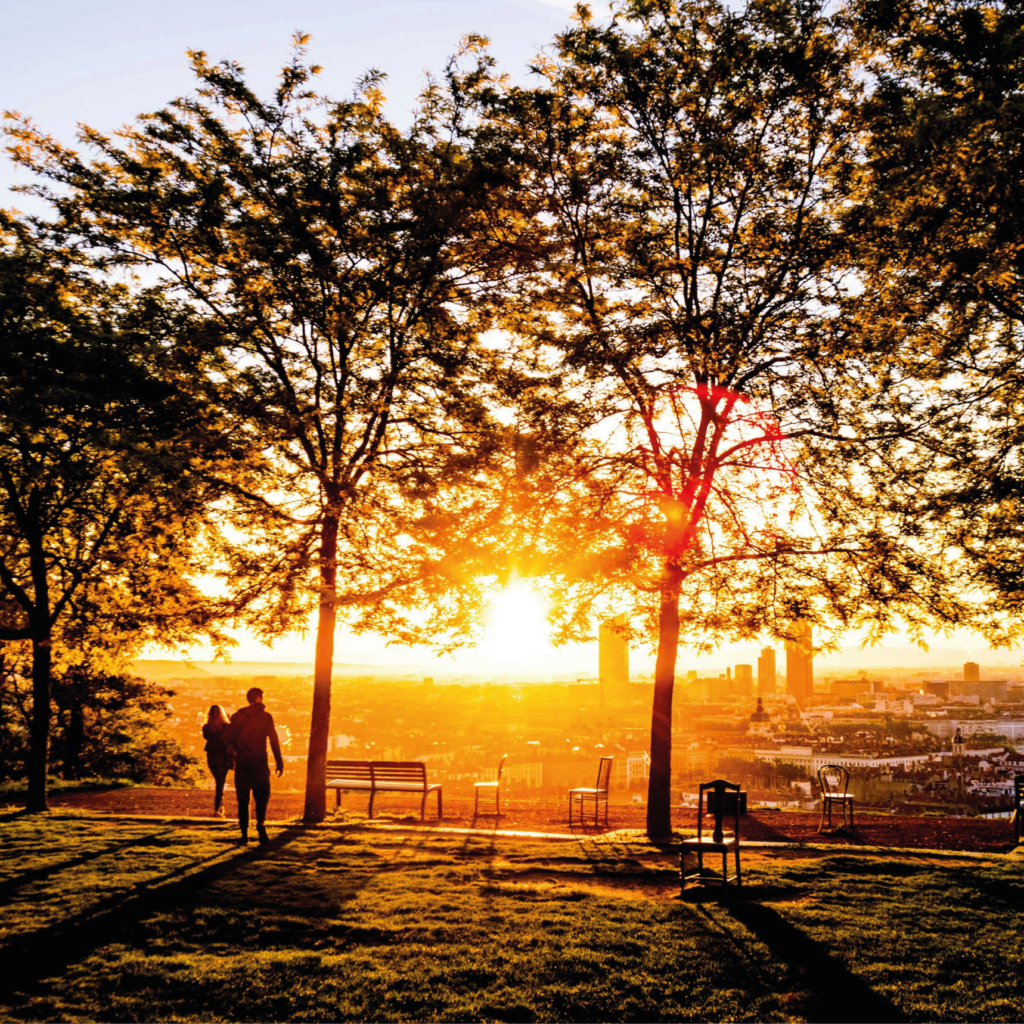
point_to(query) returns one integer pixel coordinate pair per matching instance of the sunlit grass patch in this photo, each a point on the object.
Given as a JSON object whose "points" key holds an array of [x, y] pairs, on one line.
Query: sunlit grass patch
{"points": [[150, 921]]}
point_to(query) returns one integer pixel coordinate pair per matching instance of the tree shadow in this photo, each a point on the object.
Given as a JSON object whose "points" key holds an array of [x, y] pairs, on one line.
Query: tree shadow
{"points": [[50, 950], [38, 874], [834, 992]]}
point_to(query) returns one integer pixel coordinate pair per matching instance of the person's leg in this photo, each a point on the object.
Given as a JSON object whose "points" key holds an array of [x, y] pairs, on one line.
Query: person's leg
{"points": [[243, 786], [219, 771], [261, 792]]}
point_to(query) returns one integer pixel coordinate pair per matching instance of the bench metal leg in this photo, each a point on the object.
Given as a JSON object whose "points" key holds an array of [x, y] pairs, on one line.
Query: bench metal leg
{"points": [[337, 799], [373, 793], [439, 814]]}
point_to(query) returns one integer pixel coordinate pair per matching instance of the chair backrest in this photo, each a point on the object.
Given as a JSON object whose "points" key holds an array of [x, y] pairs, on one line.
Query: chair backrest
{"points": [[604, 773], [501, 765], [720, 787], [833, 779]]}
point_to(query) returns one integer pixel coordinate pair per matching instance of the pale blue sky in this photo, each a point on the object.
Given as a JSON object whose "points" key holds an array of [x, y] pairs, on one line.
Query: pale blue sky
{"points": [[102, 62]]}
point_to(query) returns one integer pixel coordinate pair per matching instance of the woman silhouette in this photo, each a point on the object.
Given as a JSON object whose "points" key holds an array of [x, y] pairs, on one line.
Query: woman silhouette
{"points": [[218, 754]]}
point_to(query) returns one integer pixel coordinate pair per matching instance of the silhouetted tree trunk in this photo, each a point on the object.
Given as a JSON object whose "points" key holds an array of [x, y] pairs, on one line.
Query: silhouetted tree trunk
{"points": [[320, 721], [659, 816], [40, 732]]}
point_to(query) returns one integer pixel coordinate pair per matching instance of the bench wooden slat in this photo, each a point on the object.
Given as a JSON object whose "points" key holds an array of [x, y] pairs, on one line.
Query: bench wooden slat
{"points": [[381, 776]]}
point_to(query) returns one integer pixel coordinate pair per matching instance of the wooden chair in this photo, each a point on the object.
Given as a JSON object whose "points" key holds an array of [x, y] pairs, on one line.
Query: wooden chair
{"points": [[597, 794], [834, 780], [495, 785], [718, 841]]}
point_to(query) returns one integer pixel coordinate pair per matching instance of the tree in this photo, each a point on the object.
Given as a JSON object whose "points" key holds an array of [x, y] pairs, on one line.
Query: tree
{"points": [[939, 230], [339, 256], [99, 506], [104, 725], [688, 165]]}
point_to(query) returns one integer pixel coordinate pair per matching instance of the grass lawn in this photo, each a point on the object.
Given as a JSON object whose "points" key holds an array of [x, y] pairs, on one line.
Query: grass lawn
{"points": [[113, 920]]}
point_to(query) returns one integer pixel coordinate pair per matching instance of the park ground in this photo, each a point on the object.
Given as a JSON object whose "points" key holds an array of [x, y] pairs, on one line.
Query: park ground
{"points": [[118, 913]]}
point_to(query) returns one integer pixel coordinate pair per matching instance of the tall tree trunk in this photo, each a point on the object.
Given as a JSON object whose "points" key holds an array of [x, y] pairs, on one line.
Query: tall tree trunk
{"points": [[659, 788], [320, 722], [39, 734], [75, 737]]}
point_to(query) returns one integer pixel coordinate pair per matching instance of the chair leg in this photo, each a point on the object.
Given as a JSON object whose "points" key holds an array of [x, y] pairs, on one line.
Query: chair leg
{"points": [[440, 812], [497, 801], [423, 806], [372, 795], [337, 799], [476, 799], [739, 877], [821, 824]]}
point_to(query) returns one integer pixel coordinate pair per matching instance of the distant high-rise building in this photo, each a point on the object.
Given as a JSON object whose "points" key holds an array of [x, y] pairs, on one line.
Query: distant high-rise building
{"points": [[613, 659], [800, 662], [744, 680], [972, 672], [766, 672]]}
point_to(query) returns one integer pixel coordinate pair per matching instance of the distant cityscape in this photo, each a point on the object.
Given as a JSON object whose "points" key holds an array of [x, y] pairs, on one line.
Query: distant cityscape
{"points": [[914, 741]]}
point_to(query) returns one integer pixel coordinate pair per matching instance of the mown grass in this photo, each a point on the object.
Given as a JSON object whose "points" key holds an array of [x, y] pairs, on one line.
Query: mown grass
{"points": [[107, 920]]}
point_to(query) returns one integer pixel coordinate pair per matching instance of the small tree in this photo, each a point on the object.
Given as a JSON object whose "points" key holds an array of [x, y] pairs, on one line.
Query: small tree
{"points": [[100, 506], [104, 725]]}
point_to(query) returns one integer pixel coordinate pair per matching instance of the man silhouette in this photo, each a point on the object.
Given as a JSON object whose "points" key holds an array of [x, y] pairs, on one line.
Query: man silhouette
{"points": [[248, 732]]}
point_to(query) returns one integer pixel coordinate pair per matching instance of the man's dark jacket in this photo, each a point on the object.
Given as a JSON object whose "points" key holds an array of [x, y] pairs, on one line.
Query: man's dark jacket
{"points": [[248, 733]]}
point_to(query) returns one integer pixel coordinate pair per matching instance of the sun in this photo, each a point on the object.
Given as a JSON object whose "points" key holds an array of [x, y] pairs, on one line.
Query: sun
{"points": [[517, 629]]}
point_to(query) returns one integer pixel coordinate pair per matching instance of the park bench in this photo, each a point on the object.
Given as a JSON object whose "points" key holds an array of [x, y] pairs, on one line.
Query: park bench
{"points": [[375, 777]]}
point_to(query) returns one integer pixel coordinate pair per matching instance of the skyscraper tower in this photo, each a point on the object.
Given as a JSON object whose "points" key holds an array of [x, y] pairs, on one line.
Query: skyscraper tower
{"points": [[800, 662], [613, 659], [972, 672], [744, 683], [766, 672]]}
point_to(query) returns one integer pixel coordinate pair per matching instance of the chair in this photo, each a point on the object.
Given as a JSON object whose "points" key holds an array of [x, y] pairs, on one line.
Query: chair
{"points": [[597, 794], [1018, 800], [495, 785], [718, 841], [834, 780]]}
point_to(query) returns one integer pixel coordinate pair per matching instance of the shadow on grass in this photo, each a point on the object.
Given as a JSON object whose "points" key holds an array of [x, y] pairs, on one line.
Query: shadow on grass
{"points": [[834, 993], [49, 951], [38, 874]]}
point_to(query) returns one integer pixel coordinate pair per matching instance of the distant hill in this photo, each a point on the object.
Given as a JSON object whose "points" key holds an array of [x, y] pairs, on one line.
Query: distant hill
{"points": [[158, 670]]}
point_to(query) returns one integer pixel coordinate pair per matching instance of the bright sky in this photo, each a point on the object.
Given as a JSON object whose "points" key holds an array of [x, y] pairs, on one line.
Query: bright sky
{"points": [[103, 62]]}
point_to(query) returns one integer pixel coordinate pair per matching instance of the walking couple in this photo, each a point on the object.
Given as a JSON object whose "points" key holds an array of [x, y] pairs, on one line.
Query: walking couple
{"points": [[240, 742]]}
